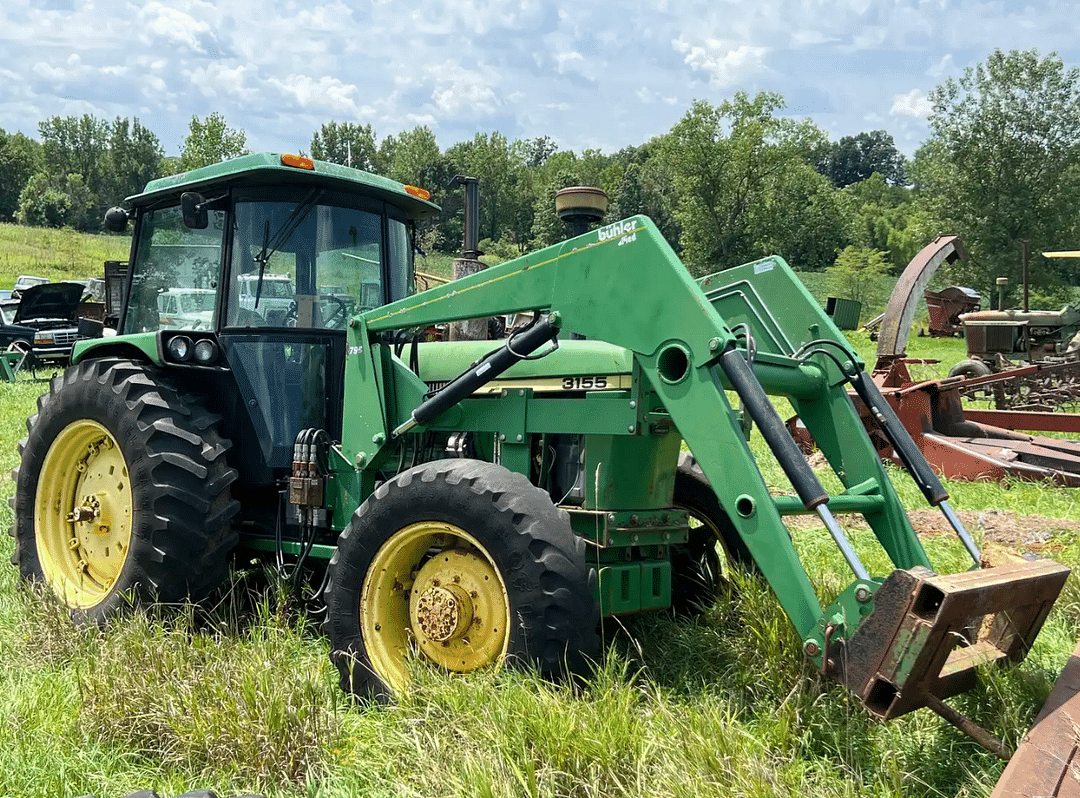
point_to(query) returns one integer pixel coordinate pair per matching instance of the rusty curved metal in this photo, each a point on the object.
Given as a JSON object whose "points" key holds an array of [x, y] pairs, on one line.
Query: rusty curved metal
{"points": [[908, 293]]}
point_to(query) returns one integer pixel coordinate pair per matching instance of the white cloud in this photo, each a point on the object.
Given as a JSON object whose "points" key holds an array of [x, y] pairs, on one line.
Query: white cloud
{"points": [[74, 70], [323, 93], [804, 37], [462, 91], [647, 95], [873, 37], [914, 103], [725, 64], [606, 75], [173, 25], [944, 68], [570, 62], [220, 81]]}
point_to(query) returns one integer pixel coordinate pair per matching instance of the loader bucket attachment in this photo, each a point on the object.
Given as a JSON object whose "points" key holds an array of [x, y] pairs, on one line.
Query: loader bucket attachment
{"points": [[929, 633]]}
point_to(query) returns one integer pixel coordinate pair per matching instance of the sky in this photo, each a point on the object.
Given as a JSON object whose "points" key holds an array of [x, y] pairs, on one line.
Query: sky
{"points": [[601, 75]]}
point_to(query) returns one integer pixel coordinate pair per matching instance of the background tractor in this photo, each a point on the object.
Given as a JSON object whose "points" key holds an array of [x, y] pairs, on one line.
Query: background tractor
{"points": [[481, 502], [1000, 339]]}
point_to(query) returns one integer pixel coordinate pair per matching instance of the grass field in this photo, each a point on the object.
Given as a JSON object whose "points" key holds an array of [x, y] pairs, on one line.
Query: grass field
{"points": [[242, 697], [56, 254]]}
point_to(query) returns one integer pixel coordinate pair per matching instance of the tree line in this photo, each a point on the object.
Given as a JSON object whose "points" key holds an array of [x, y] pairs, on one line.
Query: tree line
{"points": [[729, 183]]}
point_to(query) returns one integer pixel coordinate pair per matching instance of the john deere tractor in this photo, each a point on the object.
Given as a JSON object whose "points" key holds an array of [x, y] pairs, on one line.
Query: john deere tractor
{"points": [[478, 503]]}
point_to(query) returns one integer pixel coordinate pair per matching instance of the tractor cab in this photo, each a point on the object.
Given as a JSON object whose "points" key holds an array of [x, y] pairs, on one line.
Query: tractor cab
{"points": [[273, 254]]}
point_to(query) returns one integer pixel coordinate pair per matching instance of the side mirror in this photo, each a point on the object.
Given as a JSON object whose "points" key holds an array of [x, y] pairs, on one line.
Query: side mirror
{"points": [[116, 220], [195, 216]]}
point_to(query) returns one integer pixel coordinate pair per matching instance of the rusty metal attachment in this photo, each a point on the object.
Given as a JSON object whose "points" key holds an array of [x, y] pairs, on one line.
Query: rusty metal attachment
{"points": [[929, 633], [1046, 762], [963, 443], [945, 308], [969, 444], [1044, 387], [908, 292]]}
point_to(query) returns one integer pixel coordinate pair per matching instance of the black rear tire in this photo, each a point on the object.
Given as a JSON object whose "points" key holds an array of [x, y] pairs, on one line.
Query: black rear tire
{"points": [[485, 543], [697, 570], [969, 369], [123, 493]]}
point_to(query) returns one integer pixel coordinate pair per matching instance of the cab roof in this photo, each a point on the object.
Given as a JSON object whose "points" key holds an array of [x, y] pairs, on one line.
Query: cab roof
{"points": [[267, 168]]}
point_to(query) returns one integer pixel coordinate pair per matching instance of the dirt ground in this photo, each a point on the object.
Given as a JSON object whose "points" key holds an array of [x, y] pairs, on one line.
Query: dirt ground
{"points": [[1002, 530]]}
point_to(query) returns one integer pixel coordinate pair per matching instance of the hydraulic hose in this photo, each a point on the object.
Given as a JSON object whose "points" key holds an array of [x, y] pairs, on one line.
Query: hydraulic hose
{"points": [[517, 348], [906, 448], [756, 403]]}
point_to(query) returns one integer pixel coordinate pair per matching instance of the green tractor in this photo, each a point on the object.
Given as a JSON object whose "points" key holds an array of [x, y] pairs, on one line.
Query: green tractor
{"points": [[476, 503]]}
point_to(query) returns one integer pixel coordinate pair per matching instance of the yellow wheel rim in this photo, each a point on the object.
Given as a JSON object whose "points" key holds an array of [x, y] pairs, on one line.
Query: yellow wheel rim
{"points": [[82, 514], [433, 589]]}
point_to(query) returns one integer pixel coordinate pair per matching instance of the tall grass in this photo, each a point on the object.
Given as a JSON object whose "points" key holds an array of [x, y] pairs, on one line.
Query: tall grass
{"points": [[56, 254], [242, 697], [247, 700]]}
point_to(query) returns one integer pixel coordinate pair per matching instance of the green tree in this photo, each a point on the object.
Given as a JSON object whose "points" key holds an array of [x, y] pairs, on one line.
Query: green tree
{"points": [[77, 145], [51, 200], [885, 217], [859, 273], [801, 216], [538, 150], [498, 166], [134, 159], [114, 159], [413, 157], [547, 227], [728, 164], [537, 224], [20, 158], [1002, 163], [646, 189], [348, 144], [210, 141], [855, 158]]}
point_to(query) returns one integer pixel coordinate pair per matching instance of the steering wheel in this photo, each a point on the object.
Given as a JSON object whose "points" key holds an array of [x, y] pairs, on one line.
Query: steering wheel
{"points": [[340, 315], [248, 318], [291, 315]]}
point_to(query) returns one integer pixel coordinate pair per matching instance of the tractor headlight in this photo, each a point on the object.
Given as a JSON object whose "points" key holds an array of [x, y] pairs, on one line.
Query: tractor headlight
{"points": [[205, 351], [180, 348]]}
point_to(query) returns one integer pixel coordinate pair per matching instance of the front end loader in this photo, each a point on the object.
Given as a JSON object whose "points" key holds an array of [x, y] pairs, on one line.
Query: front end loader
{"points": [[471, 504]]}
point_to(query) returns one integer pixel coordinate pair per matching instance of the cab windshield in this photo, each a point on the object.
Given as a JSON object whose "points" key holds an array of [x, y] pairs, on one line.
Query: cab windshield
{"points": [[304, 263], [172, 260], [309, 264]]}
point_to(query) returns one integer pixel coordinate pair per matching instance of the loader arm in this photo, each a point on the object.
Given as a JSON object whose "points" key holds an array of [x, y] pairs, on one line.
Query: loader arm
{"points": [[754, 329], [628, 288]]}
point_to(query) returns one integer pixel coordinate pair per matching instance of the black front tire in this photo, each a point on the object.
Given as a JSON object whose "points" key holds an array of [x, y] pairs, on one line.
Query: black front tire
{"points": [[399, 558], [123, 492], [697, 570]]}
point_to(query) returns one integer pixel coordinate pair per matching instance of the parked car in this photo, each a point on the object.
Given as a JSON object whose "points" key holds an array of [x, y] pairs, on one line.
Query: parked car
{"points": [[186, 308], [24, 281], [50, 310], [271, 299], [14, 335]]}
